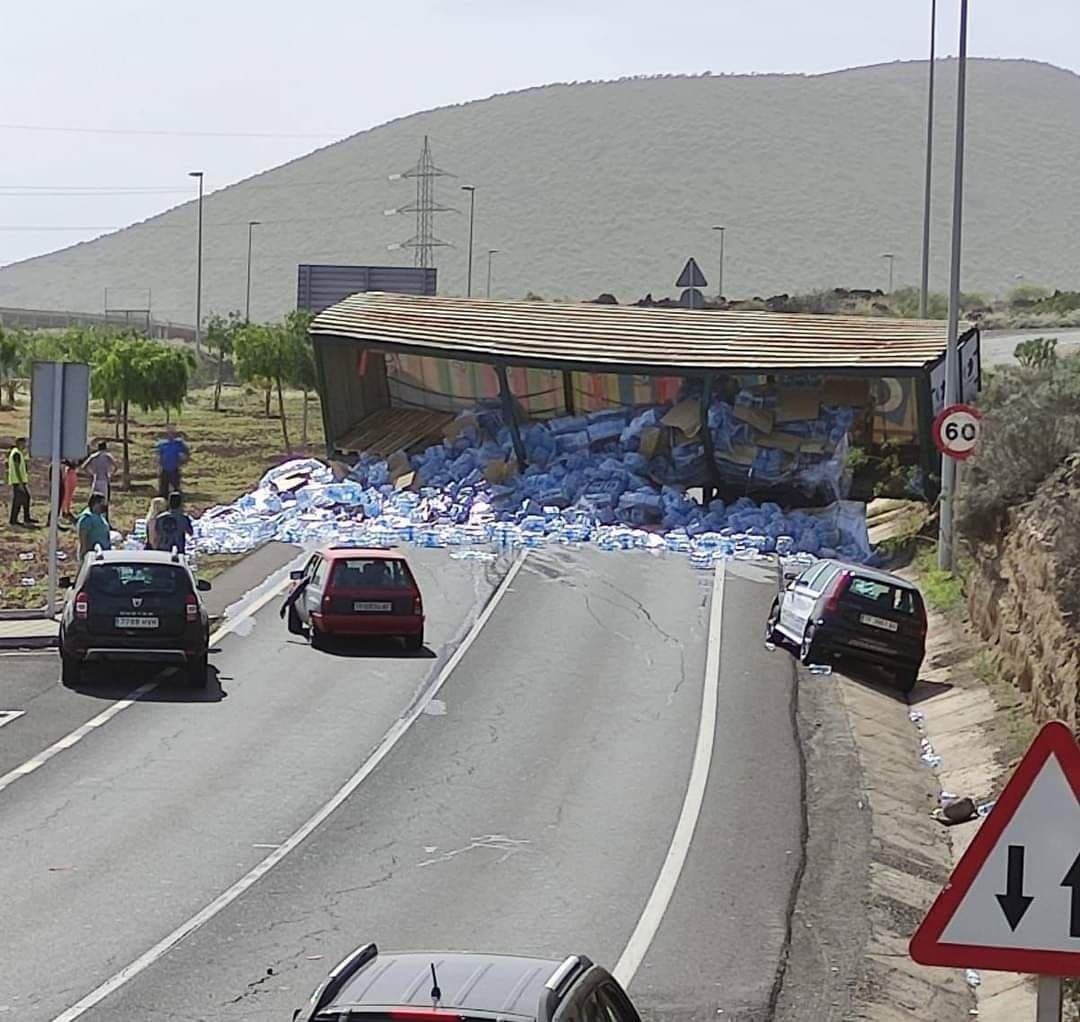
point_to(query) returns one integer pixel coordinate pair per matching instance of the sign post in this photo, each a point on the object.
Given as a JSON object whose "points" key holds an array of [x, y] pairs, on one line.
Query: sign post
{"points": [[691, 279], [59, 406], [1013, 902]]}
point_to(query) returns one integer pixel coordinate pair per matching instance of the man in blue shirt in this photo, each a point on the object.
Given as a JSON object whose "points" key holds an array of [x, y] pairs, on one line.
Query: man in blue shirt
{"points": [[172, 454], [93, 526]]}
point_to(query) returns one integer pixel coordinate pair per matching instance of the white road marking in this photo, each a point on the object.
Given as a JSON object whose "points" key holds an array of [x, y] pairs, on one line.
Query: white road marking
{"points": [[7, 716], [76, 736], [664, 888], [249, 879]]}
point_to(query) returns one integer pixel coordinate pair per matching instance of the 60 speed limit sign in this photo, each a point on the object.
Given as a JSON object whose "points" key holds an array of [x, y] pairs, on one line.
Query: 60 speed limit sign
{"points": [[956, 431]]}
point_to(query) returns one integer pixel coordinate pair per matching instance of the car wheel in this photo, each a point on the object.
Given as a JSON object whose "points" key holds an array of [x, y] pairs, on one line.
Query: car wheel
{"points": [[316, 638], [296, 626], [70, 670], [415, 643], [811, 651], [906, 678], [198, 670], [772, 636]]}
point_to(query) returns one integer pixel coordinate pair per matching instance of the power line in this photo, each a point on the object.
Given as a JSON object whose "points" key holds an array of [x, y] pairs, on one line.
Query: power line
{"points": [[423, 242], [166, 131]]}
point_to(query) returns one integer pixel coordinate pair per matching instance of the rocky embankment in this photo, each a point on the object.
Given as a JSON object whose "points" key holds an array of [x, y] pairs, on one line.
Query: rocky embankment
{"points": [[1024, 597]]}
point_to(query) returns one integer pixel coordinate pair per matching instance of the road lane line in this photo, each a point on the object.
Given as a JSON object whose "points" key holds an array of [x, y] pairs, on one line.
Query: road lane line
{"points": [[249, 879], [7, 716], [653, 913], [76, 736]]}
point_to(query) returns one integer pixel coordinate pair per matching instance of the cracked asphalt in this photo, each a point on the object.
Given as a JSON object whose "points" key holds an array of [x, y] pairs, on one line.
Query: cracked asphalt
{"points": [[532, 816]]}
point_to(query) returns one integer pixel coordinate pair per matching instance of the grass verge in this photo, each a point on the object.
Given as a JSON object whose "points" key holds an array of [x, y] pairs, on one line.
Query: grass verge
{"points": [[230, 450]]}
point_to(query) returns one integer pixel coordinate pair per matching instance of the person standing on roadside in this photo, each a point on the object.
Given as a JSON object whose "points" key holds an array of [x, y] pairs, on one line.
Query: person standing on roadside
{"points": [[18, 477], [93, 527], [172, 527], [100, 466], [173, 454], [159, 505], [69, 481]]}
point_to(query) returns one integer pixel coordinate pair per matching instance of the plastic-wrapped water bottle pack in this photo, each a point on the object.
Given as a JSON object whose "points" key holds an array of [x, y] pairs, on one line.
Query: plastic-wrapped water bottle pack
{"points": [[588, 479]]}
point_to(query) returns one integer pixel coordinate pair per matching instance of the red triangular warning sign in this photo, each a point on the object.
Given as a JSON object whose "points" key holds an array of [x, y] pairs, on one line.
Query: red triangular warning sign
{"points": [[1013, 901]]}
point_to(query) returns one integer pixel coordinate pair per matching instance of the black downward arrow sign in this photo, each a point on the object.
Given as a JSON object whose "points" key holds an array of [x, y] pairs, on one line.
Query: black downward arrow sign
{"points": [[1014, 903], [1072, 879]]}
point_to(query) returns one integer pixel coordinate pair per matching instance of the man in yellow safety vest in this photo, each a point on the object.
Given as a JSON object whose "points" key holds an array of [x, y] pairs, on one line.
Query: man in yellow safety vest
{"points": [[18, 477]]}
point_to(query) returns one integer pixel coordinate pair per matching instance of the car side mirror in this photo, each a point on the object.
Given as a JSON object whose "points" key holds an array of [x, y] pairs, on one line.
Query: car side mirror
{"points": [[203, 585], [296, 575], [64, 581]]}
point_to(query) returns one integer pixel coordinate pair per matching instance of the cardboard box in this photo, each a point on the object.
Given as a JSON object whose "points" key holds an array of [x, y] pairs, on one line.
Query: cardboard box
{"points": [[650, 441], [685, 417], [760, 418], [740, 454], [781, 441], [798, 405], [456, 426], [496, 472], [398, 465]]}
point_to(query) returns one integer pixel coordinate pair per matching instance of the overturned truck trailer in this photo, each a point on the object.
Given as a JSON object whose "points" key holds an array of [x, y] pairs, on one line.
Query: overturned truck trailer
{"points": [[796, 409]]}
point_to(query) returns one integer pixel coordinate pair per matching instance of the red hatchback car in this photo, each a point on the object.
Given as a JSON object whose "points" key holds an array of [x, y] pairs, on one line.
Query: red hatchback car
{"points": [[349, 591]]}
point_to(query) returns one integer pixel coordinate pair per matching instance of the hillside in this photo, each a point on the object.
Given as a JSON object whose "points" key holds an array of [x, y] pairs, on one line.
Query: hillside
{"points": [[598, 187]]}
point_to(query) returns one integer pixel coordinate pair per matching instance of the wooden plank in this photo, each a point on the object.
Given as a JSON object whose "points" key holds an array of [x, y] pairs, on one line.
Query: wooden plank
{"points": [[392, 429]]}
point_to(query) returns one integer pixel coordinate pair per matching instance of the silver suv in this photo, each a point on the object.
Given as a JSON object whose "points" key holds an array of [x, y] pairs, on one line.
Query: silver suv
{"points": [[461, 987]]}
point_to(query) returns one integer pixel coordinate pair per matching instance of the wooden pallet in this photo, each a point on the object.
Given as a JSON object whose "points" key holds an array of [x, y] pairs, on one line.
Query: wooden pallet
{"points": [[394, 429]]}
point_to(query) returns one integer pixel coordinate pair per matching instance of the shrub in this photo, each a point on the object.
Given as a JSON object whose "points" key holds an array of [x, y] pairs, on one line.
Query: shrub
{"points": [[1031, 424], [1038, 353]]}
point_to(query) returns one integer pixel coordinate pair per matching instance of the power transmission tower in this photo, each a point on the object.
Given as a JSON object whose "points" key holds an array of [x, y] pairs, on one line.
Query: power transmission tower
{"points": [[423, 242]]}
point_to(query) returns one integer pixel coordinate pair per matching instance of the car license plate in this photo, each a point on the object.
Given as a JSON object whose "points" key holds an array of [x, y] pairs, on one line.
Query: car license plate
{"points": [[383, 608], [136, 622], [878, 622]]}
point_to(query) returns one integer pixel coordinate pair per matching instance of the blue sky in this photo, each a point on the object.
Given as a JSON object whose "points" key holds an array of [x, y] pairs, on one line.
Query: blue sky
{"points": [[328, 68]]}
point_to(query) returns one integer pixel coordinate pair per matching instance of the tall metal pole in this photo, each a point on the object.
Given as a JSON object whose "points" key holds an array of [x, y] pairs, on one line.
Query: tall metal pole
{"points": [[471, 189], [247, 296], [1048, 999], [720, 277], [198, 268], [947, 508], [491, 252], [924, 290]]}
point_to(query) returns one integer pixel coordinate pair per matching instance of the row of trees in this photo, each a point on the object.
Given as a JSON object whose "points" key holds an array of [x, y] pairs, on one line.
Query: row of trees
{"points": [[271, 356], [126, 370]]}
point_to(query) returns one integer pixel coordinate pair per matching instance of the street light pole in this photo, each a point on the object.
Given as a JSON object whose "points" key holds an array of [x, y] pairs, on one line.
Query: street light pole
{"points": [[247, 298], [471, 189], [720, 277], [491, 252], [892, 260], [198, 268], [924, 290], [947, 507]]}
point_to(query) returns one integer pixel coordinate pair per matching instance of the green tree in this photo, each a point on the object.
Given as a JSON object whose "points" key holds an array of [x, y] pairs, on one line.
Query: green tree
{"points": [[148, 374], [221, 334], [254, 348], [12, 355], [301, 356]]}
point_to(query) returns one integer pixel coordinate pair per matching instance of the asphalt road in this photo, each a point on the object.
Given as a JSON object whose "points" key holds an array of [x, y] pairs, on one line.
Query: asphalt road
{"points": [[530, 808]]}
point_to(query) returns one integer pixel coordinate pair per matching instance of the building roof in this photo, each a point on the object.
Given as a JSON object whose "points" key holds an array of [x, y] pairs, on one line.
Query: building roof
{"points": [[628, 339]]}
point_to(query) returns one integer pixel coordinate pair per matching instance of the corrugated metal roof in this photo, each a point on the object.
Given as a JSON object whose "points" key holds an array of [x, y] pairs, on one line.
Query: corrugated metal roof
{"points": [[631, 339]]}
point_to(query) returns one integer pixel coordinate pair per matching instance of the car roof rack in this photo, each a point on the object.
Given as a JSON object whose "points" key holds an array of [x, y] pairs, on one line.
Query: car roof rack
{"points": [[99, 554], [333, 984], [558, 983]]}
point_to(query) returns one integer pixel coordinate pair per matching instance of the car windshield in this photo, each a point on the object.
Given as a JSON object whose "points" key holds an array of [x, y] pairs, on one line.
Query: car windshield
{"points": [[887, 597], [124, 579], [371, 573]]}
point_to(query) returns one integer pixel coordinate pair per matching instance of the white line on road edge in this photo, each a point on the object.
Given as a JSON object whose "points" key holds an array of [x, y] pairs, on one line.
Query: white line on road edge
{"points": [[656, 906], [110, 711], [249, 879]]}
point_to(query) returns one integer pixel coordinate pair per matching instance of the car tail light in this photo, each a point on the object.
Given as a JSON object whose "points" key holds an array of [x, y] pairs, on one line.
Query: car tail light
{"points": [[836, 590], [82, 606], [922, 622], [327, 597], [191, 607], [417, 605]]}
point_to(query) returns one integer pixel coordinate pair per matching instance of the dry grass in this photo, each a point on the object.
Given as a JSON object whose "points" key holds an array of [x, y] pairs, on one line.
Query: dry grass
{"points": [[230, 450]]}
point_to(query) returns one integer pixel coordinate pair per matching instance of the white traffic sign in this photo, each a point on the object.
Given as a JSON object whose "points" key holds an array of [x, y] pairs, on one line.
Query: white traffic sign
{"points": [[956, 431], [1013, 901]]}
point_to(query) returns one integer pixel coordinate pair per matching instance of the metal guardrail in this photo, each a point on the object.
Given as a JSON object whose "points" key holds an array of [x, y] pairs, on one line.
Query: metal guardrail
{"points": [[44, 319]]}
